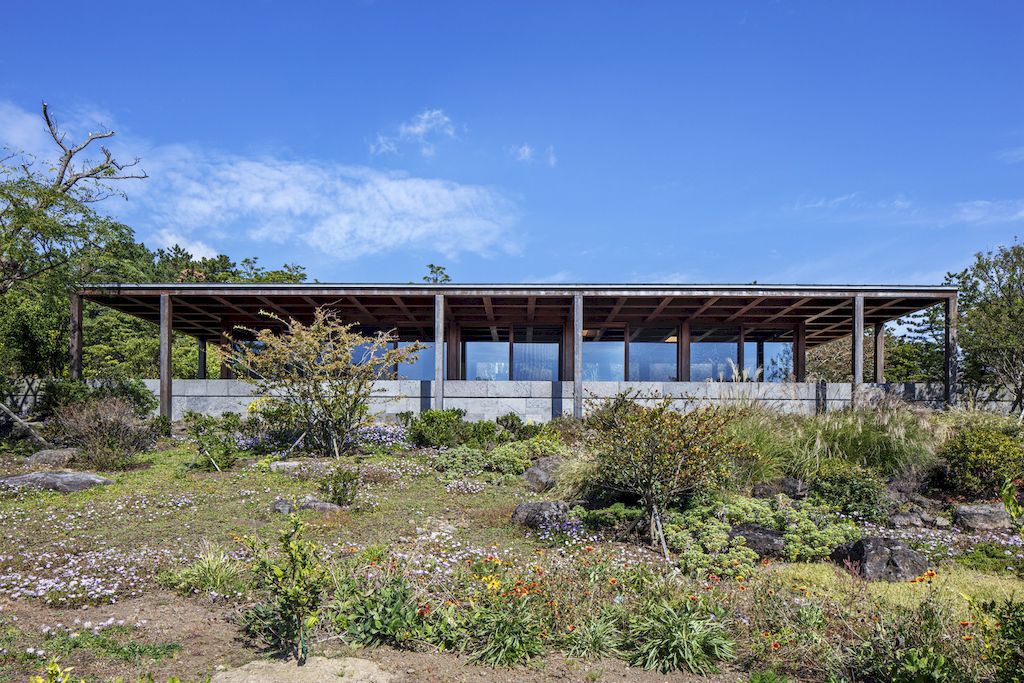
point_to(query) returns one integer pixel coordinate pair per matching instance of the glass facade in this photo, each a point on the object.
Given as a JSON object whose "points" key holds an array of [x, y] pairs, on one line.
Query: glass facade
{"points": [[423, 367], [604, 355], [715, 361], [652, 355], [535, 353], [485, 353]]}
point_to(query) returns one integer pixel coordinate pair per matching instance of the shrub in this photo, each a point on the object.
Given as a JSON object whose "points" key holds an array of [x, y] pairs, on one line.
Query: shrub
{"points": [[514, 429], [851, 489], [597, 636], [436, 428], [385, 613], [1003, 633], [670, 636], [107, 432], [609, 517], [657, 453], [979, 459], [214, 571], [214, 438], [58, 393], [340, 485], [704, 546], [505, 632], [382, 438], [292, 585], [481, 434]]}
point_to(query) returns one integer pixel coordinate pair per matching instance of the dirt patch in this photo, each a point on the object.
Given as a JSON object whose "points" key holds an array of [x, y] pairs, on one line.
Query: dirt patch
{"points": [[315, 670]]}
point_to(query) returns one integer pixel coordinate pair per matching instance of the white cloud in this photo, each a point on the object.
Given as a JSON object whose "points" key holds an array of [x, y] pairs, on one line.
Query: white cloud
{"points": [[550, 157], [205, 200], [984, 211], [1012, 156], [423, 130], [522, 153], [826, 202]]}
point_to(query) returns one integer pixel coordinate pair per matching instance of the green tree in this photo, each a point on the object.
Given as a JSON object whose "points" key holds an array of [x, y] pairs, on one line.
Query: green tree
{"points": [[436, 274]]}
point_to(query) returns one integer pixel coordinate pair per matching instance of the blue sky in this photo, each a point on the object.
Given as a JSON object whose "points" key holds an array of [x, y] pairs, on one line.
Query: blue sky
{"points": [[558, 141]]}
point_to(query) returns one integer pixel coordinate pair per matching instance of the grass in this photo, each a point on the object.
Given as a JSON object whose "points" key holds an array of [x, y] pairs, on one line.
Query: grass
{"points": [[112, 643]]}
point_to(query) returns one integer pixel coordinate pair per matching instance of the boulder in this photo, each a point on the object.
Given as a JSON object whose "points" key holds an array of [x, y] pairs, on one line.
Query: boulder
{"points": [[905, 519], [282, 506], [308, 502], [981, 516], [52, 457], [542, 514], [764, 541], [881, 559], [64, 482], [789, 486], [285, 466], [540, 477]]}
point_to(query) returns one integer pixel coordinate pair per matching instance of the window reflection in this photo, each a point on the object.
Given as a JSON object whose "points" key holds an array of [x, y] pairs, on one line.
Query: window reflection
{"points": [[535, 352], [423, 367], [715, 361], [486, 353], [604, 355], [652, 355]]}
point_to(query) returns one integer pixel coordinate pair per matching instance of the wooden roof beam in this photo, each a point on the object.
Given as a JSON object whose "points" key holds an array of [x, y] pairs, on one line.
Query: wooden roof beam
{"points": [[752, 304]]}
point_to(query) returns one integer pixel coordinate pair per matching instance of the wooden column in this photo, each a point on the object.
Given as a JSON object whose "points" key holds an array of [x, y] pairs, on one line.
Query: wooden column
{"points": [[566, 372], [225, 352], [683, 351], [741, 355], [950, 348], [879, 349], [438, 403], [759, 371], [166, 390], [857, 349], [201, 365], [800, 352], [577, 355], [75, 362]]}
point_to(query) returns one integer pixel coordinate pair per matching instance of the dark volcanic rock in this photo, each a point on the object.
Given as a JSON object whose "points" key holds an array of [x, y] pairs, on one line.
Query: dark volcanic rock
{"points": [[537, 515], [52, 457], [982, 516], [881, 559], [764, 541], [64, 482], [282, 506], [541, 476], [789, 486]]}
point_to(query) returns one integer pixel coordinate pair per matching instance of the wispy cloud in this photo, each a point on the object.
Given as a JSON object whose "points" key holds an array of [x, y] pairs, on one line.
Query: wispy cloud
{"points": [[423, 130], [826, 202], [549, 157], [1011, 156], [523, 152], [527, 154], [205, 199], [985, 211]]}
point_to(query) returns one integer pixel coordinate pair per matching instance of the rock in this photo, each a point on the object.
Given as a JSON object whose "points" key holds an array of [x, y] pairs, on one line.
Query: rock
{"points": [[905, 519], [52, 457], [789, 486], [941, 522], [310, 503], [536, 515], [541, 475], [881, 559], [315, 670], [764, 541], [282, 506], [285, 466], [64, 482], [981, 516]]}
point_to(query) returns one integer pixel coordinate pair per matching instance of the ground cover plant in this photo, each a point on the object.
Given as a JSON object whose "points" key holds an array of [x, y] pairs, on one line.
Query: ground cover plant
{"points": [[421, 563]]}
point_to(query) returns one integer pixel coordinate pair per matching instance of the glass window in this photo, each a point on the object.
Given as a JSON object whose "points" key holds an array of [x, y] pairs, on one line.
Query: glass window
{"points": [[750, 362], [604, 355], [652, 355], [778, 361], [485, 353], [535, 352], [423, 367], [714, 361]]}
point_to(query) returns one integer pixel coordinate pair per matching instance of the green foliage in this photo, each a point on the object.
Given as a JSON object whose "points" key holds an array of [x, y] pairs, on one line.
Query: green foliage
{"points": [[979, 459], [340, 485], [609, 517], [514, 429], [106, 431], [767, 677], [465, 460], [293, 585], [1003, 632], [991, 558], [597, 636], [58, 393], [214, 439], [437, 428], [645, 448], [214, 571], [705, 548], [381, 611], [505, 633], [851, 489], [111, 643], [677, 636]]}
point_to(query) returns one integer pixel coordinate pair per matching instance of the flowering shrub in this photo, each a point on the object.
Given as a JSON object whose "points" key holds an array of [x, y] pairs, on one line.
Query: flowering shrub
{"points": [[379, 437]]}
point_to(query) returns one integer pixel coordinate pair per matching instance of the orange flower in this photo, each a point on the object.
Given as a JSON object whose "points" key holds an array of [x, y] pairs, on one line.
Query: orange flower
{"points": [[743, 588], [589, 549], [965, 623], [693, 598], [613, 581], [766, 634], [968, 638], [776, 645]]}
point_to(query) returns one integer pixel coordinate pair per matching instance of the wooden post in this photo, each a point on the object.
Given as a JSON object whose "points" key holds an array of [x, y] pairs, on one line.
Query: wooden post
{"points": [[857, 350], [454, 356], [438, 352], [800, 352], [565, 371], [683, 351], [75, 362], [741, 355], [879, 354], [759, 371], [166, 390], [577, 355], [201, 365], [950, 349]]}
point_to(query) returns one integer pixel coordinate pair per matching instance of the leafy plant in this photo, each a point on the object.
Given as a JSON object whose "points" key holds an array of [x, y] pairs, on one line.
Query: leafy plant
{"points": [[214, 571], [505, 632], [851, 489], [340, 485], [58, 393], [1003, 633], [214, 438], [979, 459], [597, 636], [293, 585], [437, 428], [382, 613], [670, 636]]}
